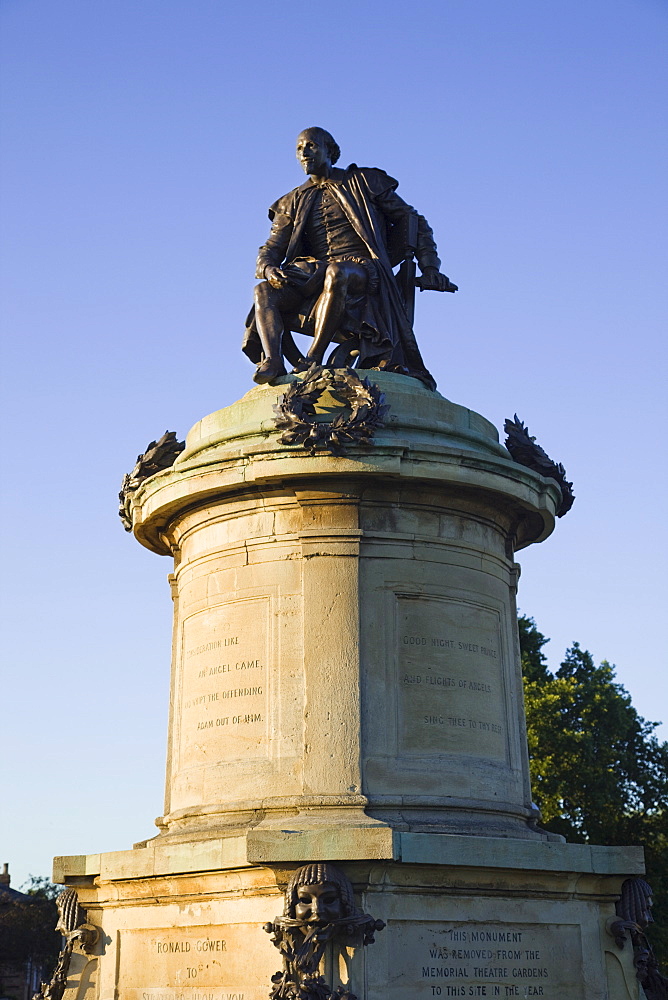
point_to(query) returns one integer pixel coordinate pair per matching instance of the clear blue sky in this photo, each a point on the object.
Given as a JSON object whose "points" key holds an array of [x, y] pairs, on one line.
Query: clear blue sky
{"points": [[143, 141]]}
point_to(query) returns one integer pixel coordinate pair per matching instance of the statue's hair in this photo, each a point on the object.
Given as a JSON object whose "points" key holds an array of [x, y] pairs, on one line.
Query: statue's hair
{"points": [[314, 874], [634, 900], [328, 139], [70, 914]]}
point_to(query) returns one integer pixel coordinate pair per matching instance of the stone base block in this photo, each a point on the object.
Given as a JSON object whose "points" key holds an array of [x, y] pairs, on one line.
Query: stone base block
{"points": [[488, 917]]}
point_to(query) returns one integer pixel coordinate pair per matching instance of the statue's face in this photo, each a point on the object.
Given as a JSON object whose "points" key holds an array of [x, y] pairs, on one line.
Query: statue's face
{"points": [[647, 910], [318, 904], [313, 154]]}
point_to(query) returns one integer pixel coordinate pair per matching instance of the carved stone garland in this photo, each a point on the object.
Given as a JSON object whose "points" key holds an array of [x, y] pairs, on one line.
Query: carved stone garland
{"points": [[296, 414]]}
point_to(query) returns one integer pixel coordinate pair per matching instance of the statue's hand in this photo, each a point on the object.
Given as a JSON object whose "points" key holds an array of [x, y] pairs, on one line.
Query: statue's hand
{"points": [[433, 280], [275, 277]]}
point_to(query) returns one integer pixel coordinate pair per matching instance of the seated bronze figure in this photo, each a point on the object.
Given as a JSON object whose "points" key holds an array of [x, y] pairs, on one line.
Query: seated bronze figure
{"points": [[326, 270]]}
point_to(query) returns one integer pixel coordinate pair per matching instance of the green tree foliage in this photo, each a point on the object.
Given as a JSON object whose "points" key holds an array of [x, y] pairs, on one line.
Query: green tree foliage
{"points": [[599, 774], [39, 886], [27, 925]]}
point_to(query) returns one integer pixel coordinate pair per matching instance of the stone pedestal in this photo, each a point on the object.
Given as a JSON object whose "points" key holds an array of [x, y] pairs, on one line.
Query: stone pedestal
{"points": [[345, 633], [346, 687], [466, 916]]}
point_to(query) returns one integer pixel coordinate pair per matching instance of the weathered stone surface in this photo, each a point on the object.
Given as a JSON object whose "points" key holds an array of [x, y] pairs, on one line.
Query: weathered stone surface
{"points": [[425, 436], [345, 631], [509, 928], [262, 845], [346, 687]]}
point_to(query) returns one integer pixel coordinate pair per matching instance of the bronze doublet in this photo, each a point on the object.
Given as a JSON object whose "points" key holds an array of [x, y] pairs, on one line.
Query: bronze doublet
{"points": [[329, 234]]}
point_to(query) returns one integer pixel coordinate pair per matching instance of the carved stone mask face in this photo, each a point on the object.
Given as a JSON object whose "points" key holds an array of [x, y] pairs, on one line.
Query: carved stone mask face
{"points": [[313, 154], [318, 904]]}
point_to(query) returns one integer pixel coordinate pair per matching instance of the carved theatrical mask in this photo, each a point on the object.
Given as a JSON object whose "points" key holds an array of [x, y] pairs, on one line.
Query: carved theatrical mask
{"points": [[319, 908]]}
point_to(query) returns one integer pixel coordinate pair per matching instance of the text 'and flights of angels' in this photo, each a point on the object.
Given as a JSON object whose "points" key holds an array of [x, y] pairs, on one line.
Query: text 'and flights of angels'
{"points": [[496, 960], [195, 963], [224, 694], [451, 696]]}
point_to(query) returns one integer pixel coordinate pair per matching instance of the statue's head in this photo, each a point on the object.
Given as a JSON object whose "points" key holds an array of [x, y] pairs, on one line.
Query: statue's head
{"points": [[635, 903], [317, 151], [319, 894]]}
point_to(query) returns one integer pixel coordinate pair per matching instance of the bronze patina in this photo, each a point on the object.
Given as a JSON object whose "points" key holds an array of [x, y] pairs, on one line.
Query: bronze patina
{"points": [[159, 455], [72, 924], [634, 915], [327, 271], [524, 450], [319, 909], [296, 411]]}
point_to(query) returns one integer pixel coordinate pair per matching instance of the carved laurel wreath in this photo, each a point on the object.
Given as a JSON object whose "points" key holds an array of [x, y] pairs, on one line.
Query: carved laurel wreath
{"points": [[296, 414]]}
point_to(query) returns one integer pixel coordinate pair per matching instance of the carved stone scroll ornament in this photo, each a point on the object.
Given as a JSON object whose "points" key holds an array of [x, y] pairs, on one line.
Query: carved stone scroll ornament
{"points": [[296, 414], [634, 914], [319, 908], [72, 925], [158, 456], [525, 451]]}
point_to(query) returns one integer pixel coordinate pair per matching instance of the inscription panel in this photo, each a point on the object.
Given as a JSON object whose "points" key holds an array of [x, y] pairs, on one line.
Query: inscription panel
{"points": [[450, 678], [224, 689], [207, 962], [487, 960]]}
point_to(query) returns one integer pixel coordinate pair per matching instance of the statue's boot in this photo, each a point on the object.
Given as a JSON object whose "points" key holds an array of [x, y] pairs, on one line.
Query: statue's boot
{"points": [[268, 370], [304, 365]]}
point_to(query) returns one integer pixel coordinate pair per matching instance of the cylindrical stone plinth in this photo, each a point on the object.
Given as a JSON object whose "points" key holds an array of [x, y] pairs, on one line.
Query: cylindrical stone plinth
{"points": [[345, 639]]}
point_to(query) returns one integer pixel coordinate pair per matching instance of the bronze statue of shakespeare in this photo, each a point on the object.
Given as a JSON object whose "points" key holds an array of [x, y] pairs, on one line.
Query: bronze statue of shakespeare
{"points": [[326, 270]]}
